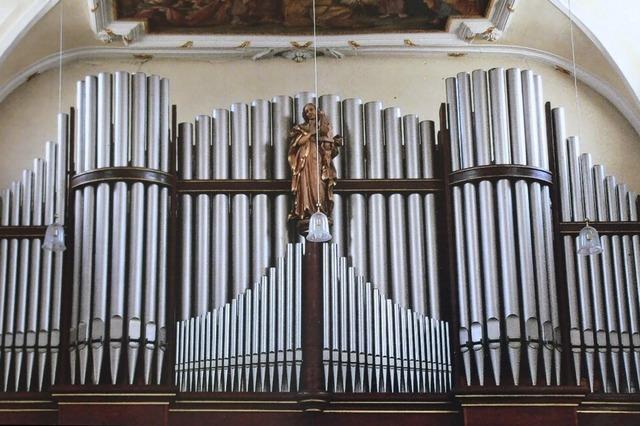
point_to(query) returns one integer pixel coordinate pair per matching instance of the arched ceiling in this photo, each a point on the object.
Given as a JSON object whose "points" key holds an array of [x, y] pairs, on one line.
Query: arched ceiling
{"points": [[534, 29]]}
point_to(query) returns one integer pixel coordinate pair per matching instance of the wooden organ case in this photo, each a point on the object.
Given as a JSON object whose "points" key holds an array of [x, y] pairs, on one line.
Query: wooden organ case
{"points": [[451, 292]]}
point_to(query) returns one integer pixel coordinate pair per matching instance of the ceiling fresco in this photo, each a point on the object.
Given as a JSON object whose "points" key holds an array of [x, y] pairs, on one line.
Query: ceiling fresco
{"points": [[295, 16]]}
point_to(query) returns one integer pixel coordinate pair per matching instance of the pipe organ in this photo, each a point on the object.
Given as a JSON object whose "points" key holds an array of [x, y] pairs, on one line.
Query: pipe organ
{"points": [[183, 271]]}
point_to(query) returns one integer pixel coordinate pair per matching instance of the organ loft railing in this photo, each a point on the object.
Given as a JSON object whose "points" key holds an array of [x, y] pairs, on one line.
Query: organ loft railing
{"points": [[182, 270]]}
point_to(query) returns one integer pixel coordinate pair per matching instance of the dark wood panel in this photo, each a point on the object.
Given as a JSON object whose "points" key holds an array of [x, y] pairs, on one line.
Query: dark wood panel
{"points": [[501, 171], [603, 228], [284, 185], [22, 231]]}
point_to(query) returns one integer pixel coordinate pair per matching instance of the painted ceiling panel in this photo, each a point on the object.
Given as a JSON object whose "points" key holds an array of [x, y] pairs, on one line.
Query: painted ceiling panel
{"points": [[295, 16]]}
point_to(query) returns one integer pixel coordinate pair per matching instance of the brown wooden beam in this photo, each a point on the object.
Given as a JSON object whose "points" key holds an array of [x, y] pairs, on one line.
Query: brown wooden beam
{"points": [[284, 185], [22, 231], [603, 228], [501, 171]]}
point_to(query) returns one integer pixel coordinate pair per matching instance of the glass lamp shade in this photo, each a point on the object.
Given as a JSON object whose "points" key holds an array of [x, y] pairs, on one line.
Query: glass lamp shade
{"points": [[589, 241], [54, 238], [319, 228]]}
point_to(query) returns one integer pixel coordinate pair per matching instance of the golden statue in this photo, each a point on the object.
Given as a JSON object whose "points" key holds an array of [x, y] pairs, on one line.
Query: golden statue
{"points": [[312, 191]]}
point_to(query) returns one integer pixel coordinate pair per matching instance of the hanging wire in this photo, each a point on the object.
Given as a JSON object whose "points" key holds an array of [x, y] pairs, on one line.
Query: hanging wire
{"points": [[315, 82], [573, 60], [60, 57]]}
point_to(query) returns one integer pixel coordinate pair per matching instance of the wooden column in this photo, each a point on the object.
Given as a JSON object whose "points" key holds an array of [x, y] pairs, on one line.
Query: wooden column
{"points": [[312, 393]]}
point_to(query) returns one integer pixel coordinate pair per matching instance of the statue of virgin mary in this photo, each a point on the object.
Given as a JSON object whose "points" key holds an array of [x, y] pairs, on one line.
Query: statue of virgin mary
{"points": [[313, 174]]}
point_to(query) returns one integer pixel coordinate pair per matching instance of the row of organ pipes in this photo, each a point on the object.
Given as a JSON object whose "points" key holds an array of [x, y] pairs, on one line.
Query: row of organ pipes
{"points": [[30, 276], [370, 343], [251, 142], [505, 272], [602, 289]]}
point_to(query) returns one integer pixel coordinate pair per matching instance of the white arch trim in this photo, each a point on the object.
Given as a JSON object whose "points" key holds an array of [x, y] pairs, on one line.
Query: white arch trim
{"points": [[25, 21]]}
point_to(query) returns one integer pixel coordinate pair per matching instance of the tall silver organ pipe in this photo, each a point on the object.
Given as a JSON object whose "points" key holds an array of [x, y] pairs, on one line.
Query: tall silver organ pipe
{"points": [[77, 241], [353, 135], [220, 224], [415, 215], [260, 169], [396, 207], [427, 141], [185, 169], [506, 229], [281, 123], [88, 224], [102, 220], [377, 218], [121, 146], [482, 137], [239, 202], [203, 215]]}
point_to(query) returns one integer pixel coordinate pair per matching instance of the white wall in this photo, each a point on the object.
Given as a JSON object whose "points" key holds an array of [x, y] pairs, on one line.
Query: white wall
{"points": [[416, 85]]}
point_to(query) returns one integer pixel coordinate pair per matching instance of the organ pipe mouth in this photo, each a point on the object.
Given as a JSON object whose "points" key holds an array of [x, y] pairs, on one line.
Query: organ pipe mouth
{"points": [[589, 241]]}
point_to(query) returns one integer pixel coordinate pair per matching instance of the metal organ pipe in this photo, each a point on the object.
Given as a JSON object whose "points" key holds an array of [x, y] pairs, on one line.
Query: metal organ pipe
{"points": [[415, 214], [102, 221], [598, 337], [474, 276], [163, 250], [532, 129], [397, 221], [77, 241], [239, 202], [121, 146], [461, 267], [203, 215], [377, 219], [88, 224], [152, 226], [506, 227], [487, 213], [281, 123], [427, 143], [607, 279], [35, 279], [523, 220], [260, 148], [220, 225], [355, 169]]}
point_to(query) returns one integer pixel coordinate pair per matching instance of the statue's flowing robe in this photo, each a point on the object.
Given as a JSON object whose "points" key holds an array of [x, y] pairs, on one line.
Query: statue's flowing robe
{"points": [[304, 163]]}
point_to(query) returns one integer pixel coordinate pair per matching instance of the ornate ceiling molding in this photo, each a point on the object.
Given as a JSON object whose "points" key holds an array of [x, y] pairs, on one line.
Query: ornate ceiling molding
{"points": [[459, 30]]}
